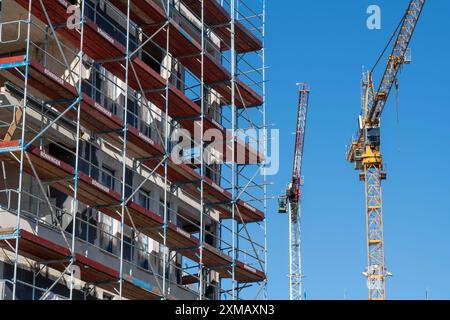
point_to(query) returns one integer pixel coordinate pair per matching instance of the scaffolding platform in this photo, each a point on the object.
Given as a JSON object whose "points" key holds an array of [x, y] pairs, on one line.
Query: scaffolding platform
{"points": [[215, 194], [102, 47], [98, 119], [43, 250], [94, 117], [152, 18], [96, 195], [218, 18]]}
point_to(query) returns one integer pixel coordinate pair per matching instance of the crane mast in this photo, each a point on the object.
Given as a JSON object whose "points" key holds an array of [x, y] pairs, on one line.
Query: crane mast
{"points": [[365, 150], [293, 195]]}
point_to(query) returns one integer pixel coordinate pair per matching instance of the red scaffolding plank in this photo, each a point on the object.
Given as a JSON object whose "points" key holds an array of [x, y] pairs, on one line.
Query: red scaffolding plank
{"points": [[12, 62], [40, 249], [14, 59], [93, 193], [218, 18]]}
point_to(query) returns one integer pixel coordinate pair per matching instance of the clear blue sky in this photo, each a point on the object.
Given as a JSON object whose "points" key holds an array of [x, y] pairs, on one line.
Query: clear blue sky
{"points": [[326, 43]]}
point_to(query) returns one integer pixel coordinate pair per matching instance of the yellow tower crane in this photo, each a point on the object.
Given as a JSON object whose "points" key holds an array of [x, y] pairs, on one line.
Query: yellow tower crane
{"points": [[365, 150]]}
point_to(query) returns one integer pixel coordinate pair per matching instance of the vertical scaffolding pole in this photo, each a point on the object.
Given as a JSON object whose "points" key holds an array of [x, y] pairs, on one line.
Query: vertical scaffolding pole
{"points": [[166, 257], [22, 152], [75, 202], [264, 126], [124, 152], [233, 151], [202, 163]]}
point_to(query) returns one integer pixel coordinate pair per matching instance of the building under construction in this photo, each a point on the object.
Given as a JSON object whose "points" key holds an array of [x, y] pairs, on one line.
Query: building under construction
{"points": [[99, 101]]}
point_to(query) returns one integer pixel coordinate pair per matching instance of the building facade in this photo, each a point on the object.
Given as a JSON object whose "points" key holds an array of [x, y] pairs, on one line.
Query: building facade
{"points": [[127, 166]]}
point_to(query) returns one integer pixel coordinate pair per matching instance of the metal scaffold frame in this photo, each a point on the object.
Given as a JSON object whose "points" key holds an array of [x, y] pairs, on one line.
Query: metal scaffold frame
{"points": [[220, 82], [240, 182]]}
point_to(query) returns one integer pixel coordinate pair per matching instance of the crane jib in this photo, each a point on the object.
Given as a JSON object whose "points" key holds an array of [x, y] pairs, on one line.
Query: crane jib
{"points": [[396, 59], [291, 198]]}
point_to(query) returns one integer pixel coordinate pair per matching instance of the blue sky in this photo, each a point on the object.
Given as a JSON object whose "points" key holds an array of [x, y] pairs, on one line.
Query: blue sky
{"points": [[326, 43]]}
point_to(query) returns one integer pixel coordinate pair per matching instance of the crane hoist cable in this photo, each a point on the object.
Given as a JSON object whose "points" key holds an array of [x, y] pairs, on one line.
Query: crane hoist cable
{"points": [[388, 44]]}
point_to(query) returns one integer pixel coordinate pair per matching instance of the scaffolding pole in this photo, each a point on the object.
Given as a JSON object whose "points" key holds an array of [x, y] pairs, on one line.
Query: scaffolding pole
{"points": [[22, 153], [124, 151]]}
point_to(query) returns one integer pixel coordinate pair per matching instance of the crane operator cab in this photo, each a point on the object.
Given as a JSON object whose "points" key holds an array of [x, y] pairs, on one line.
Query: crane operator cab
{"points": [[282, 204], [372, 136]]}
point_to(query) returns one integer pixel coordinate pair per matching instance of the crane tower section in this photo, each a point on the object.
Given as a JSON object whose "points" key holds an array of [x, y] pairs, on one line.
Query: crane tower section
{"points": [[294, 195]]}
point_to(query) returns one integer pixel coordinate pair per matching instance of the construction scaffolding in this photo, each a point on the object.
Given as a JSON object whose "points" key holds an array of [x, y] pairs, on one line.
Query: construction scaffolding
{"points": [[133, 147]]}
